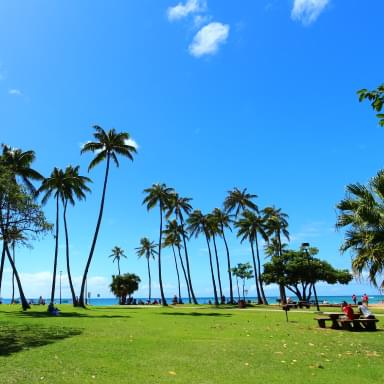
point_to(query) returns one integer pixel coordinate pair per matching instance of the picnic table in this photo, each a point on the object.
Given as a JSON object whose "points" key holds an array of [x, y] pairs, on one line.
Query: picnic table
{"points": [[340, 321]]}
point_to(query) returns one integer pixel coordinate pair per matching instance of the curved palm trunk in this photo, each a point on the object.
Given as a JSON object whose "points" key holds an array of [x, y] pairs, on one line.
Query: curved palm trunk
{"points": [[218, 267], [212, 273], [2, 265], [229, 266], [283, 296], [177, 272], [13, 273], [56, 252], [74, 299], [256, 277], [263, 297], [4, 227], [82, 290], [187, 260], [185, 275], [163, 301], [23, 300], [149, 281]]}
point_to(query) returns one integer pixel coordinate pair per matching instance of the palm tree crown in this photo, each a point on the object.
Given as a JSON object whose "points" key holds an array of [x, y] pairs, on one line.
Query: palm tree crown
{"points": [[238, 200], [147, 248], [249, 225], [158, 194]]}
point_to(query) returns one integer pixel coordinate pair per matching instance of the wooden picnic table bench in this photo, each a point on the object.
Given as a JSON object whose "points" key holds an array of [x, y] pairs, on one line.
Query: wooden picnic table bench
{"points": [[340, 322]]}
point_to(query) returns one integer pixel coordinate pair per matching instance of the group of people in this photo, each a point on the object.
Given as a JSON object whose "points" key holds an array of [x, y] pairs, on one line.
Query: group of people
{"points": [[362, 308], [364, 298]]}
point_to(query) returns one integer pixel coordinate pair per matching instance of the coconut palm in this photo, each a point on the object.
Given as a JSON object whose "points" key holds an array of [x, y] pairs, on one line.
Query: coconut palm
{"points": [[117, 254], [179, 206], [108, 146], [276, 223], [223, 219], [362, 213], [159, 194], [75, 186], [148, 250], [237, 201], [198, 224]]}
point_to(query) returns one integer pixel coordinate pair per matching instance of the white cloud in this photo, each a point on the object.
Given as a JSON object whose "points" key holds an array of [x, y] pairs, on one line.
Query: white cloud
{"points": [[132, 143], [182, 10], [15, 92], [307, 11], [208, 40]]}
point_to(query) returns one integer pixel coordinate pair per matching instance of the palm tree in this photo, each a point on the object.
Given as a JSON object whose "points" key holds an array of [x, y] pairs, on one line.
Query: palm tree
{"points": [[238, 201], [159, 194], [223, 219], [172, 239], [148, 250], [198, 224], [249, 225], [75, 185], [108, 146], [362, 213], [117, 254], [54, 184], [276, 223], [180, 205]]}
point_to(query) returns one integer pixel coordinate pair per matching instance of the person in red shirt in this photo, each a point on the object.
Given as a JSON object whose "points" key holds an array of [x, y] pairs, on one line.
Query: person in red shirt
{"points": [[365, 298], [347, 309]]}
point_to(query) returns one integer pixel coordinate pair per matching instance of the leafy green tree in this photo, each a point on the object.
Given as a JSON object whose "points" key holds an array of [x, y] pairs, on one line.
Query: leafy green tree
{"points": [[376, 97], [117, 254], [361, 212], [198, 224], [298, 272], [147, 249], [159, 194], [124, 286], [180, 206], [238, 200], [249, 226], [107, 146], [244, 272]]}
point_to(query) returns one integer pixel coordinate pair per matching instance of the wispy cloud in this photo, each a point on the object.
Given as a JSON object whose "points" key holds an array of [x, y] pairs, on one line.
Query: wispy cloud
{"points": [[208, 39], [307, 11], [132, 143], [15, 92], [182, 10]]}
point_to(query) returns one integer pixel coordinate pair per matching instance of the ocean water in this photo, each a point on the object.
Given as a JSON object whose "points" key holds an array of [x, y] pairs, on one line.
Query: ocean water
{"points": [[373, 299]]}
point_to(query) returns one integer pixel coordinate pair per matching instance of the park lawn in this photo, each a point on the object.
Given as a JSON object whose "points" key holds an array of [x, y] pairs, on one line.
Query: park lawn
{"points": [[182, 345]]}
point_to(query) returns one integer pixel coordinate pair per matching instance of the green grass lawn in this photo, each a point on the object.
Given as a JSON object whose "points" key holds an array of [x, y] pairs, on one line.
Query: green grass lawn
{"points": [[182, 345]]}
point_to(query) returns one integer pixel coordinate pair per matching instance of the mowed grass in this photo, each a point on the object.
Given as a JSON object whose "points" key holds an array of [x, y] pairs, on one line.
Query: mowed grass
{"points": [[182, 345]]}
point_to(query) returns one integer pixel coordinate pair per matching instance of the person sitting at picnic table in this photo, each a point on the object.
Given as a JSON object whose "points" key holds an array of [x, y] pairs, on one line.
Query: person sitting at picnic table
{"points": [[52, 310], [365, 312], [347, 309]]}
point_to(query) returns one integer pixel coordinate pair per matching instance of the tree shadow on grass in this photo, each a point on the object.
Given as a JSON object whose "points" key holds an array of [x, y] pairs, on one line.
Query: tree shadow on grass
{"points": [[196, 314], [40, 315], [15, 338]]}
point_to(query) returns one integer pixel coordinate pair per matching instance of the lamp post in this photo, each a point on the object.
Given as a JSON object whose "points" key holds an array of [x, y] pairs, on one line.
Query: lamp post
{"points": [[60, 285], [305, 248]]}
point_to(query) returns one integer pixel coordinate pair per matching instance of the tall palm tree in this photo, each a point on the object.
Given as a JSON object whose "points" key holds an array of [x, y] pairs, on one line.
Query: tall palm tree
{"points": [[173, 234], [117, 254], [54, 184], [148, 250], [159, 194], [108, 146], [249, 225], [239, 200], [362, 213], [276, 223], [75, 185], [223, 219], [179, 206], [214, 229], [198, 224]]}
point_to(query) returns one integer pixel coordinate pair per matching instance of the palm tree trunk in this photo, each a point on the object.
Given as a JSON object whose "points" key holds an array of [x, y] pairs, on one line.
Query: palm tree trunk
{"points": [[56, 252], [74, 299], [218, 267], [259, 301], [244, 290], [23, 300], [82, 290], [163, 301], [229, 266], [2, 265], [283, 296], [185, 275], [187, 260], [4, 227], [177, 272], [238, 289], [118, 266], [13, 273], [149, 281], [212, 273], [263, 297]]}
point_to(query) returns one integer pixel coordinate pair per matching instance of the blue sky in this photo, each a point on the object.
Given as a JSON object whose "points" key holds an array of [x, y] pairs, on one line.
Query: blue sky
{"points": [[217, 94]]}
